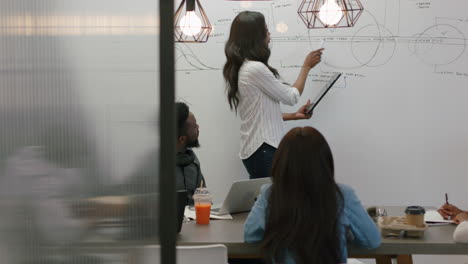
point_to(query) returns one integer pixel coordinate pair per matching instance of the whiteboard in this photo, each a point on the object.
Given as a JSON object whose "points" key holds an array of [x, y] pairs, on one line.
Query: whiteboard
{"points": [[396, 120]]}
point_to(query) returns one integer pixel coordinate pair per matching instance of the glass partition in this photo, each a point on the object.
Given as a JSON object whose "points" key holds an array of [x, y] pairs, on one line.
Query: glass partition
{"points": [[79, 130]]}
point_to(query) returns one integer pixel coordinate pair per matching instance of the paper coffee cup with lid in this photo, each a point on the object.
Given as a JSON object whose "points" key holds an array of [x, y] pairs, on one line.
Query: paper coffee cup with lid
{"points": [[415, 215]]}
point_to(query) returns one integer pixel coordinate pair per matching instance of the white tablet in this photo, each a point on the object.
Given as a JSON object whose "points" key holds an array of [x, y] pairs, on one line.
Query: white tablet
{"points": [[324, 91]]}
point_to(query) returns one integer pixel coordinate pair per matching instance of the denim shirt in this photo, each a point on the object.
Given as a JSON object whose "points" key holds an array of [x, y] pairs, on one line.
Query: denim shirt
{"points": [[363, 231]]}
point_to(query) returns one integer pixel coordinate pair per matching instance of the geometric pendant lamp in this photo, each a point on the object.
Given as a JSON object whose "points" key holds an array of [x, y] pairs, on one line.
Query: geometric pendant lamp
{"points": [[330, 13], [191, 23]]}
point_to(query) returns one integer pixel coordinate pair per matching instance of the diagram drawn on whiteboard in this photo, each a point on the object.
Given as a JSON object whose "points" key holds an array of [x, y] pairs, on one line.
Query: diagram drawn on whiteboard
{"points": [[379, 36]]}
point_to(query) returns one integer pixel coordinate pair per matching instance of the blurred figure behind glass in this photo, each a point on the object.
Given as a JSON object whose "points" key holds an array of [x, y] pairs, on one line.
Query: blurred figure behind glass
{"points": [[46, 157]]}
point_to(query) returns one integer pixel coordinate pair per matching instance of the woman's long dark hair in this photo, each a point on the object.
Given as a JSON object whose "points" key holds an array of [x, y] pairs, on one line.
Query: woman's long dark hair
{"points": [[305, 202], [247, 40]]}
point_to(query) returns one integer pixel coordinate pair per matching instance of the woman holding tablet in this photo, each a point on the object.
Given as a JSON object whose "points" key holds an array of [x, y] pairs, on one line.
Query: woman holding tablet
{"points": [[255, 91]]}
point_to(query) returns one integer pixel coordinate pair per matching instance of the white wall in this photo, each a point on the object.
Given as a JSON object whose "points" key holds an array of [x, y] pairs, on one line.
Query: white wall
{"points": [[395, 122]]}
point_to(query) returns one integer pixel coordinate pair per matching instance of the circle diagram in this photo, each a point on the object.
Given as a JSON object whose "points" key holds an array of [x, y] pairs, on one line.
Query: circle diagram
{"points": [[439, 45]]}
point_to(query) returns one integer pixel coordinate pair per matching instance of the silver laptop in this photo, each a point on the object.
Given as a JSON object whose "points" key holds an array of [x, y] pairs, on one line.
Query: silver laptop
{"points": [[241, 197]]}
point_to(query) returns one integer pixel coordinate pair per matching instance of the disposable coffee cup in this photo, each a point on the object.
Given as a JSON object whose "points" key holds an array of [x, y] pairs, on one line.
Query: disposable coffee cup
{"points": [[415, 215], [202, 200]]}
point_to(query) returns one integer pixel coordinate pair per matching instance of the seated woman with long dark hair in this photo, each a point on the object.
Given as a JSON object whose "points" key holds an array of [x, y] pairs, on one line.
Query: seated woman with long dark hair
{"points": [[304, 216]]}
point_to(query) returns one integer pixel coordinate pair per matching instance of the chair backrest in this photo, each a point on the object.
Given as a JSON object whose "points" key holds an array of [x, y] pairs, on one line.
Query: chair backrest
{"points": [[207, 254], [181, 203]]}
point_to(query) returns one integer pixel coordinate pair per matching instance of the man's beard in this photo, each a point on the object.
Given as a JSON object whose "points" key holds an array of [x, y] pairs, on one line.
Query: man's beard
{"points": [[193, 144]]}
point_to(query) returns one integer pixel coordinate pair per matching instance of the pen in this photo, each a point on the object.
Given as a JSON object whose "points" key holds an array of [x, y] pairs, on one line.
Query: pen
{"points": [[446, 202]]}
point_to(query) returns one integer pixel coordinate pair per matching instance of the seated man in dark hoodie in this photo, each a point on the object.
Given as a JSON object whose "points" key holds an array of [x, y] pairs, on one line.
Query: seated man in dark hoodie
{"points": [[188, 173]]}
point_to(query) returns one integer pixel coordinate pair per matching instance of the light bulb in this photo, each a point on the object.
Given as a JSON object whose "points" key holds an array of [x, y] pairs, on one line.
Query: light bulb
{"points": [[190, 23], [330, 13], [281, 27], [246, 4]]}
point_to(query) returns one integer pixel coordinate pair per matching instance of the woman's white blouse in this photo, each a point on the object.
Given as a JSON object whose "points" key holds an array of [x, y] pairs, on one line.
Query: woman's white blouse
{"points": [[260, 94]]}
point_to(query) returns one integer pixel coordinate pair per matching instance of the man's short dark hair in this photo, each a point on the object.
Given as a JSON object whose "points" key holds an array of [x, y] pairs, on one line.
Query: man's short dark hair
{"points": [[182, 113]]}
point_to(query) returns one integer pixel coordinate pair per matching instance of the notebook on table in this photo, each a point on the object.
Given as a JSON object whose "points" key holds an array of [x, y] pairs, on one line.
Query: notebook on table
{"points": [[432, 217]]}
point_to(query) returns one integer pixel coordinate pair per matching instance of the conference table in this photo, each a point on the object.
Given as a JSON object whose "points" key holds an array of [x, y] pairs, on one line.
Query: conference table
{"points": [[436, 240]]}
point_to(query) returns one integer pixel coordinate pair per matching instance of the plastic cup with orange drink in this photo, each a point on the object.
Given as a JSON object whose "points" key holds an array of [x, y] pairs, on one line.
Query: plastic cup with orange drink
{"points": [[202, 201]]}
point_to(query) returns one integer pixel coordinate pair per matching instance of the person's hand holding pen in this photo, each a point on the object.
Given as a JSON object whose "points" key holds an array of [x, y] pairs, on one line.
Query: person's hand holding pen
{"points": [[449, 211], [313, 58]]}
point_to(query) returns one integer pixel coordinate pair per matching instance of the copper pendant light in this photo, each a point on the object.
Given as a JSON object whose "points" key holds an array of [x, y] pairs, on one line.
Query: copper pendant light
{"points": [[330, 13], [191, 24]]}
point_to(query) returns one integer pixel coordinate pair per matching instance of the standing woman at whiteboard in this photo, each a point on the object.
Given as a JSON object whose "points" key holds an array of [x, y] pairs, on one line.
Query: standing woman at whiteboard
{"points": [[255, 91]]}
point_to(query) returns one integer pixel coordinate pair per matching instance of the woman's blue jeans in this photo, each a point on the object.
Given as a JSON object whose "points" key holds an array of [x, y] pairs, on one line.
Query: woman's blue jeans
{"points": [[259, 163]]}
